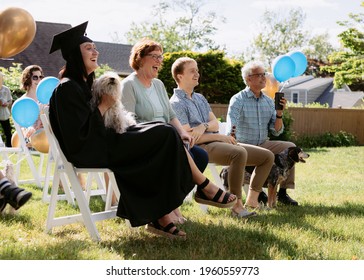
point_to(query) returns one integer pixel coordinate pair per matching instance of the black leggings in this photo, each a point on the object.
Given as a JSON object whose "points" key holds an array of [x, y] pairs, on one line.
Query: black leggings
{"points": [[7, 131]]}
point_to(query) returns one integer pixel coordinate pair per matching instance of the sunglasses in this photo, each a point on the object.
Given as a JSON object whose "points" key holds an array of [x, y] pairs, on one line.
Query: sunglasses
{"points": [[36, 78]]}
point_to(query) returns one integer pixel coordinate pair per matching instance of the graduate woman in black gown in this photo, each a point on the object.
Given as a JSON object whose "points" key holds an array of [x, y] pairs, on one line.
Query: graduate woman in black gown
{"points": [[152, 168]]}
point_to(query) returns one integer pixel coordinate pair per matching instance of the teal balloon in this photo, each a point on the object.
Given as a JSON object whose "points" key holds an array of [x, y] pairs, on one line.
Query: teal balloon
{"points": [[45, 89], [25, 111], [283, 68], [300, 62]]}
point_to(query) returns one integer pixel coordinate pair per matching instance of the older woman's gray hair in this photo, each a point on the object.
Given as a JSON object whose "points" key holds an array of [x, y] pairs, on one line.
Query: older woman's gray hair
{"points": [[249, 67]]}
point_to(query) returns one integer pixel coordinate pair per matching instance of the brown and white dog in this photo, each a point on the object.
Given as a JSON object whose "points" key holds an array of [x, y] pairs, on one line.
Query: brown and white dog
{"points": [[116, 117]]}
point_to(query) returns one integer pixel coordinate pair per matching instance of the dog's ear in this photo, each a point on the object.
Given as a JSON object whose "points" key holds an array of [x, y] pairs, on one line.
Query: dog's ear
{"points": [[293, 153]]}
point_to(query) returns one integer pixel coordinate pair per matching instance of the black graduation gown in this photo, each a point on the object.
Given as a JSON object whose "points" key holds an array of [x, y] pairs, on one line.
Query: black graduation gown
{"points": [[149, 160]]}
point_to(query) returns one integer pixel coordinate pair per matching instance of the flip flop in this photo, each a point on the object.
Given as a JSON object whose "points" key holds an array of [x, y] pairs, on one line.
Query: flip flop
{"points": [[157, 229]]}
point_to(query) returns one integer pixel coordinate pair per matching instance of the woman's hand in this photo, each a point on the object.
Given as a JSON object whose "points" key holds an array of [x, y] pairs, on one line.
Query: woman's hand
{"points": [[186, 137]]}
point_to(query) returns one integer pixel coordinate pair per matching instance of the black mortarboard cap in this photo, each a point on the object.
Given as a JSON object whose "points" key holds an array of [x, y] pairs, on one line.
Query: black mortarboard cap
{"points": [[68, 40]]}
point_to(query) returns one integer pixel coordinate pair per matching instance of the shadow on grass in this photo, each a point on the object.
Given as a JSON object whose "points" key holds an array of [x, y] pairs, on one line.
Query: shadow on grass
{"points": [[68, 249], [253, 239]]}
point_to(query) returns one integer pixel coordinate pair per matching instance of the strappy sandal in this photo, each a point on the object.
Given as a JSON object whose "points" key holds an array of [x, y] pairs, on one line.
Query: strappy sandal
{"points": [[2, 204], [156, 228], [17, 197], [200, 197]]}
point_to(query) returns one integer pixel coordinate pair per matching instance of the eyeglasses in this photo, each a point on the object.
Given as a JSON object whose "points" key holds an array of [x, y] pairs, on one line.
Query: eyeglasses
{"points": [[156, 57], [260, 75], [35, 78]]}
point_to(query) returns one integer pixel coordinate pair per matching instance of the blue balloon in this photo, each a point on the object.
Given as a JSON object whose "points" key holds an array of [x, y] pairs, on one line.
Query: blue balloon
{"points": [[45, 89], [283, 68], [25, 111], [300, 62]]}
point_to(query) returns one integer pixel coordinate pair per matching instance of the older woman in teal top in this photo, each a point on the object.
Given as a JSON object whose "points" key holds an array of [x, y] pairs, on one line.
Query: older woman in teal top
{"points": [[146, 96]]}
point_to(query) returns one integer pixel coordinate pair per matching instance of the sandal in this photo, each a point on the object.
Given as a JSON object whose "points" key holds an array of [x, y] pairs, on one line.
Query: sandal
{"points": [[243, 213], [18, 198], [156, 228], [2, 204], [260, 207], [200, 197]]}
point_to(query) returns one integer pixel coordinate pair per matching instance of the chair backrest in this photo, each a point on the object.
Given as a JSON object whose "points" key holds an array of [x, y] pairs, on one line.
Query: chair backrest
{"points": [[222, 128], [55, 148]]}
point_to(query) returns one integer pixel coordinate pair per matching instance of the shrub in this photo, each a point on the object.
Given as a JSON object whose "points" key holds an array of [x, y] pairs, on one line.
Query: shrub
{"points": [[327, 139], [220, 77], [287, 132]]}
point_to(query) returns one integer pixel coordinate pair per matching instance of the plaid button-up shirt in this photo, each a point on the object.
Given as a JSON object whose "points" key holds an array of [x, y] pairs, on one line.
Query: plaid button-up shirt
{"points": [[253, 117]]}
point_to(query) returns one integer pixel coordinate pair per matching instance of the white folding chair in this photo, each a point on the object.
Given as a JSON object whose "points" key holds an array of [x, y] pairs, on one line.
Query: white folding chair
{"points": [[64, 169], [26, 153]]}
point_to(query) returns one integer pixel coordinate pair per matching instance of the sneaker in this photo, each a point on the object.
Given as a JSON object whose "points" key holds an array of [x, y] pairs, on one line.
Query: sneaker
{"points": [[287, 200], [244, 214]]}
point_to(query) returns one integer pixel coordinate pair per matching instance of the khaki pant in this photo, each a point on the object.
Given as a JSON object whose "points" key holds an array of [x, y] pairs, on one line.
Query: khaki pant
{"points": [[237, 157]]}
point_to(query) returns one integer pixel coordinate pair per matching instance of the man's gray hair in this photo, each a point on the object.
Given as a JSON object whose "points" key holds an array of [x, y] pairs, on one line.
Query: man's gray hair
{"points": [[249, 67]]}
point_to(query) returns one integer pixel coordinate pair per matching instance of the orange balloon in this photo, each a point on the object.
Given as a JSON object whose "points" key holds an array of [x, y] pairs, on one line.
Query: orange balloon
{"points": [[17, 31], [39, 141], [271, 85], [15, 140]]}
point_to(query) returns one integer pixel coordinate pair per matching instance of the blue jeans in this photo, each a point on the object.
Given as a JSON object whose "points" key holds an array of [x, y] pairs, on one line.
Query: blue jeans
{"points": [[200, 157]]}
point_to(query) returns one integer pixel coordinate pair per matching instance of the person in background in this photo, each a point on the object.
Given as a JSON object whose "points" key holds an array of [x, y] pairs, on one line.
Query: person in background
{"points": [[196, 117], [153, 170], [5, 104], [145, 96], [254, 115], [31, 77]]}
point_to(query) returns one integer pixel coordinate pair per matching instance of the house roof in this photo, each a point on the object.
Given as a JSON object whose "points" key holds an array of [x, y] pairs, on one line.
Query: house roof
{"points": [[311, 84], [342, 99], [115, 55]]}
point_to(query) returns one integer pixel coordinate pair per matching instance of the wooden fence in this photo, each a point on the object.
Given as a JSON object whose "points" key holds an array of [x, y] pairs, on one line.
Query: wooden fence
{"points": [[315, 121]]}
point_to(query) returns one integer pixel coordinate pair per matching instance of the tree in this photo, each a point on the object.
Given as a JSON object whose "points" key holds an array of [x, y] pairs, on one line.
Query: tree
{"points": [[282, 33], [319, 47], [191, 31], [13, 79], [348, 65], [279, 35]]}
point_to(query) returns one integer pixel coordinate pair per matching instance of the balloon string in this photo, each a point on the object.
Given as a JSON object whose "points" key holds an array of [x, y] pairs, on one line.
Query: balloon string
{"points": [[5, 162], [284, 84]]}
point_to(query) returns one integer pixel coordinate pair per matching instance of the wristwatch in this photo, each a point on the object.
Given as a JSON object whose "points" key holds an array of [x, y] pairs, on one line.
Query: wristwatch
{"points": [[206, 125]]}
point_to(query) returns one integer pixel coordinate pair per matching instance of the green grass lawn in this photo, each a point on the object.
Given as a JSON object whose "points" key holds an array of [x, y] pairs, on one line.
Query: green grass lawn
{"points": [[328, 224]]}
